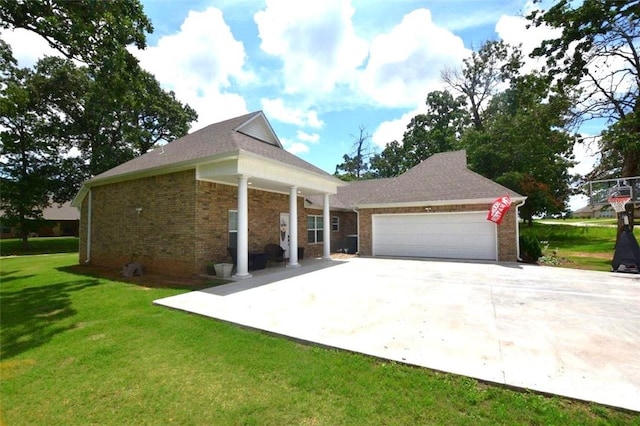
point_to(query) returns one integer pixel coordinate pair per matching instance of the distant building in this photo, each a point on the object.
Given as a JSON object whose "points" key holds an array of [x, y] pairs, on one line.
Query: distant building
{"points": [[595, 212], [59, 220]]}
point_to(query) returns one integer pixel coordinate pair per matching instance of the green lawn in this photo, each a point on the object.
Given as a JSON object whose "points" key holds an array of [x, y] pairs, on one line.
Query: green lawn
{"points": [[583, 247], [77, 349], [13, 246]]}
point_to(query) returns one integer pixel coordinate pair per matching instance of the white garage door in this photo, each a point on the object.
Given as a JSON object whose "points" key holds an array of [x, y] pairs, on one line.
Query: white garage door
{"points": [[442, 235]]}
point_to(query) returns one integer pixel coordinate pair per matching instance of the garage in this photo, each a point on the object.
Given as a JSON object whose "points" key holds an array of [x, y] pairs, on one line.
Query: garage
{"points": [[464, 235]]}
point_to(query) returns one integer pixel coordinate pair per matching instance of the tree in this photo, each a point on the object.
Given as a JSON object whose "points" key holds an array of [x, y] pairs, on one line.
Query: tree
{"points": [[437, 130], [482, 76], [30, 128], [599, 50], [93, 32], [523, 145], [356, 165]]}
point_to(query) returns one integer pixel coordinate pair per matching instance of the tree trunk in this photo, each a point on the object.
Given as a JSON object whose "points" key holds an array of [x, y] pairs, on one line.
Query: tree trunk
{"points": [[24, 232]]}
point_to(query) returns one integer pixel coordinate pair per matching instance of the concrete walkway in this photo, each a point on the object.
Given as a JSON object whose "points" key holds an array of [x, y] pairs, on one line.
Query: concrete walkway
{"points": [[561, 331]]}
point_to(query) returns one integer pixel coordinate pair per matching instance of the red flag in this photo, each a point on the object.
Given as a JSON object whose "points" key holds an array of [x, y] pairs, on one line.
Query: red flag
{"points": [[499, 209]]}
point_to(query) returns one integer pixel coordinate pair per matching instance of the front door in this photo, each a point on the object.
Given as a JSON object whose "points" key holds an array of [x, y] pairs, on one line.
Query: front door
{"points": [[283, 231]]}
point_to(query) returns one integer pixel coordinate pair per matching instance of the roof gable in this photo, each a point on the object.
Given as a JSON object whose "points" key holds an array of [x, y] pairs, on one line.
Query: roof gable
{"points": [[259, 128]]}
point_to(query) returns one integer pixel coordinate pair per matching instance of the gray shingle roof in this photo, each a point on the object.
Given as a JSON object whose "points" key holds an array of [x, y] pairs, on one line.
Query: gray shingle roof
{"points": [[214, 140], [440, 178]]}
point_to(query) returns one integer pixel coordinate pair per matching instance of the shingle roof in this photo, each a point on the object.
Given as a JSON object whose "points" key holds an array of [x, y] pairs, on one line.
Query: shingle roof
{"points": [[440, 178], [216, 139]]}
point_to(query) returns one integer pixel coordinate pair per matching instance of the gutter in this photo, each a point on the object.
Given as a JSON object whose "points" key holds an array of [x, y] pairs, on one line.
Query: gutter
{"points": [[89, 211], [518, 230]]}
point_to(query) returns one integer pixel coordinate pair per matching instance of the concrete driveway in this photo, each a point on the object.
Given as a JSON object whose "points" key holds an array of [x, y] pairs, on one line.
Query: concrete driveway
{"points": [[562, 331]]}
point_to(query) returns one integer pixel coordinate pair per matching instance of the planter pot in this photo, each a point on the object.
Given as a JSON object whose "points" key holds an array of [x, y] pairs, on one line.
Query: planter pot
{"points": [[223, 270]]}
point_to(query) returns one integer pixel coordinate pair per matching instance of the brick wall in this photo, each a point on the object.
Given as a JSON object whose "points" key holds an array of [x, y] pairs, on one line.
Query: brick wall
{"points": [[183, 224], [507, 248], [160, 236]]}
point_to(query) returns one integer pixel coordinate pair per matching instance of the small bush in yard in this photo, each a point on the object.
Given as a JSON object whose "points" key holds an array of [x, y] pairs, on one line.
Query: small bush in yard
{"points": [[530, 249]]}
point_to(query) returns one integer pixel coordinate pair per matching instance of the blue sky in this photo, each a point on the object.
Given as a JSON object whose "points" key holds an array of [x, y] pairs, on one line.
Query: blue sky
{"points": [[319, 70]]}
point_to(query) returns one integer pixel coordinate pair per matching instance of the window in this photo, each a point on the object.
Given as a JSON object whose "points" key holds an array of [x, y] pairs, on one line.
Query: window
{"points": [[314, 229], [335, 224], [233, 229]]}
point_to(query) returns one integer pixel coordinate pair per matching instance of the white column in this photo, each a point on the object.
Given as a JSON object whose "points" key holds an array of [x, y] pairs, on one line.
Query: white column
{"points": [[242, 268], [293, 227], [326, 219]]}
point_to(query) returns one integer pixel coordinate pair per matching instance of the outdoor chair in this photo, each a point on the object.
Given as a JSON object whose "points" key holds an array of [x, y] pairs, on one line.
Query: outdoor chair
{"points": [[275, 253], [234, 255]]}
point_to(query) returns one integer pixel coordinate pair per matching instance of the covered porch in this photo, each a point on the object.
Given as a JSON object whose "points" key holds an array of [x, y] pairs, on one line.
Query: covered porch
{"points": [[245, 171]]}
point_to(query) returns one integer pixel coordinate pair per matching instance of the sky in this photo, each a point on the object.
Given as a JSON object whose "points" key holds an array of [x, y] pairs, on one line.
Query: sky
{"points": [[319, 70]]}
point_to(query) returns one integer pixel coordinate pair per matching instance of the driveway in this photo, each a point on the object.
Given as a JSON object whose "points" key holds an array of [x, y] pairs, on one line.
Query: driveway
{"points": [[561, 331]]}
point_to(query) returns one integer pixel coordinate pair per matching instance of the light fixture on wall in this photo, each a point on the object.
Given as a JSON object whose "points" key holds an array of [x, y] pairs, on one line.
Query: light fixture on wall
{"points": [[139, 210], [427, 209]]}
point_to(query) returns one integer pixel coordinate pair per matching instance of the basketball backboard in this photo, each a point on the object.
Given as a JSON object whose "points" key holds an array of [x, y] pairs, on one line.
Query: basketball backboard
{"points": [[600, 190]]}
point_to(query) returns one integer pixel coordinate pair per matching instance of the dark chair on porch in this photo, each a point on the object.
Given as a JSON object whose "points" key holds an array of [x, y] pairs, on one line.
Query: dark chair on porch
{"points": [[234, 255], [275, 253]]}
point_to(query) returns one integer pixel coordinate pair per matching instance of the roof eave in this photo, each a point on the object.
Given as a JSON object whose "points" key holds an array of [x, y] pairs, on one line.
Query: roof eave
{"points": [[434, 203]]}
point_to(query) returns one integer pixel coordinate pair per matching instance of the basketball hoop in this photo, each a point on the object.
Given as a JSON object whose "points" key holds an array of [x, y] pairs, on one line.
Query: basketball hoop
{"points": [[619, 196], [619, 202]]}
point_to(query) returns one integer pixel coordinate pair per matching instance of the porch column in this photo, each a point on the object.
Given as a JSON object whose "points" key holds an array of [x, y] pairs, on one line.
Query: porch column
{"points": [[326, 231], [293, 227], [242, 267]]}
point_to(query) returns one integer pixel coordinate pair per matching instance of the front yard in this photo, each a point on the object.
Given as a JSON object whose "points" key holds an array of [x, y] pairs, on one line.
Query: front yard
{"points": [[78, 349]]}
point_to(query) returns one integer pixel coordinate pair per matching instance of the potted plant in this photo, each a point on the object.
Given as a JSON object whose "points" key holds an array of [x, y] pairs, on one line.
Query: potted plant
{"points": [[211, 268]]}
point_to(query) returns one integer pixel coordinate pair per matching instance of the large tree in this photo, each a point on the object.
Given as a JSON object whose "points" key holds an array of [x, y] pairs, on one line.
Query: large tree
{"points": [[31, 129], [598, 49], [523, 145], [483, 75], [90, 31], [437, 130]]}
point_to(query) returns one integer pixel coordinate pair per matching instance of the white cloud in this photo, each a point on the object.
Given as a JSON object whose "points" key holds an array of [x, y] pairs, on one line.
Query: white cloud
{"points": [[275, 109], [27, 46], [308, 137], [391, 130], [405, 64], [316, 42], [295, 148], [200, 62]]}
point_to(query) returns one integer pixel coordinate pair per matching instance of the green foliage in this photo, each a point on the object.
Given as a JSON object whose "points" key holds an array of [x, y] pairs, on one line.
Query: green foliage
{"points": [[599, 49], [435, 131], [86, 30], [78, 349], [530, 249], [110, 110], [523, 147]]}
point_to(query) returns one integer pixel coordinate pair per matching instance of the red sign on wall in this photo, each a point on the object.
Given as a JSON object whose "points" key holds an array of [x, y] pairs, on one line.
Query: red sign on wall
{"points": [[498, 209]]}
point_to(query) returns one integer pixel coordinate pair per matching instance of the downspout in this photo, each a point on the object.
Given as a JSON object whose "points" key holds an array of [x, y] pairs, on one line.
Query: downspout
{"points": [[89, 211], [518, 230], [357, 228]]}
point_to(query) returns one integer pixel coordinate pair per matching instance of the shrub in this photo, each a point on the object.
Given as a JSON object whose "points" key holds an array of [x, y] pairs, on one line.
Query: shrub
{"points": [[530, 249]]}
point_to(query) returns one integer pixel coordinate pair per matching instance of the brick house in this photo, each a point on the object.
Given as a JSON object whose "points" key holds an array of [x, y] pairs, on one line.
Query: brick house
{"points": [[231, 184]]}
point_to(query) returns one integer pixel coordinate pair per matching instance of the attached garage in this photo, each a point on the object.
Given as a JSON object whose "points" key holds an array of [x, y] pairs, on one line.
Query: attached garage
{"points": [[459, 235]]}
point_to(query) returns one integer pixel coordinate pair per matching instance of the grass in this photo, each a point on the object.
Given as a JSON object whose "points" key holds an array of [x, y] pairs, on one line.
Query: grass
{"points": [[41, 245], [582, 247], [78, 349]]}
